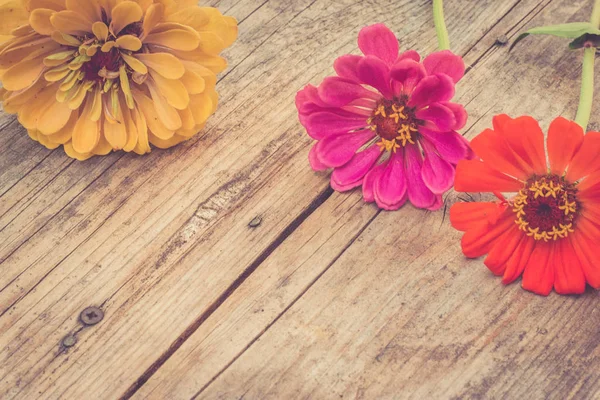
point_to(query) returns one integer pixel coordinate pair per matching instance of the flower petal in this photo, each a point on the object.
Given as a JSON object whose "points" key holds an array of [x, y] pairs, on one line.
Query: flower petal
{"points": [[517, 262], [418, 193], [495, 151], [438, 174], [445, 62], [379, 41], [586, 251], [569, 277], [585, 161], [564, 140], [351, 175], [347, 67], [391, 189], [441, 117], [374, 72], [315, 164], [478, 241], [467, 215], [322, 124], [451, 146], [336, 150], [502, 250], [539, 271], [460, 114], [338, 92], [526, 139], [432, 89], [409, 73], [370, 179], [477, 176]]}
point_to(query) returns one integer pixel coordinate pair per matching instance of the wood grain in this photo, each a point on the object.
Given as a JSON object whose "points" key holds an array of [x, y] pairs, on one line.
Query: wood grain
{"points": [[327, 295]]}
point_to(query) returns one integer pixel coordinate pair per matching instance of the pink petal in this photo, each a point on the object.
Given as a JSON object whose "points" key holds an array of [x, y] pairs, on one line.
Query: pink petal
{"points": [[439, 202], [409, 73], [432, 89], [315, 164], [374, 72], [322, 124], [390, 188], [451, 146], [338, 92], [336, 150], [370, 179], [351, 175], [438, 174], [442, 118], [347, 66], [460, 114], [409, 55], [445, 62], [379, 41], [418, 193]]}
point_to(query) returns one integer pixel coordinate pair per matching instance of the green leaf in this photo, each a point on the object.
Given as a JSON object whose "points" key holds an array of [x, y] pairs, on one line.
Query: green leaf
{"points": [[571, 30]]}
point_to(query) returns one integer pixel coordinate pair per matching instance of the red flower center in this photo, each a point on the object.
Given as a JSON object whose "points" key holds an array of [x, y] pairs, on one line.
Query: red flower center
{"points": [[547, 207], [110, 60], [395, 123]]}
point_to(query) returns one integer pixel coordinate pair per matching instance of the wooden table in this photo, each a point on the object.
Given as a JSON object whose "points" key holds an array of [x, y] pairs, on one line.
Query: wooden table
{"points": [[227, 268]]}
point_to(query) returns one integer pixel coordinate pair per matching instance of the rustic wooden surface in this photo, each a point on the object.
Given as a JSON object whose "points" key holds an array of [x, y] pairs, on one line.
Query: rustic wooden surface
{"points": [[327, 297]]}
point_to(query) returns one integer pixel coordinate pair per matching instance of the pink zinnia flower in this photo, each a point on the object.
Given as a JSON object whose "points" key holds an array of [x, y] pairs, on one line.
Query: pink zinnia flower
{"points": [[386, 122]]}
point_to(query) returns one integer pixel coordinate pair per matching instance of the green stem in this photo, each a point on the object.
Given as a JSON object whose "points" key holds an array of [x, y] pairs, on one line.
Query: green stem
{"points": [[587, 78], [440, 24]]}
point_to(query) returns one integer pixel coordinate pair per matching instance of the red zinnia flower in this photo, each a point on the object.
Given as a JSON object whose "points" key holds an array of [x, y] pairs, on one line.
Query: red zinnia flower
{"points": [[386, 122], [549, 231]]}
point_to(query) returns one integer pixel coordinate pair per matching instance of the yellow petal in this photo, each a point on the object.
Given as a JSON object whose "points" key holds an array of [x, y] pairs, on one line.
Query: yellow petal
{"points": [[152, 18], [165, 143], [108, 46], [96, 112], [132, 133], [135, 64], [54, 118], [178, 39], [23, 74], [194, 17], [115, 134], [70, 151], [103, 147], [64, 38], [165, 64], [154, 123], [210, 43], [57, 74], [86, 132], [124, 80], [56, 5], [173, 90], [100, 30], [66, 132], [193, 82], [89, 9], [187, 119], [71, 22], [40, 21], [12, 15], [167, 114], [142, 146], [125, 13], [129, 42], [201, 106]]}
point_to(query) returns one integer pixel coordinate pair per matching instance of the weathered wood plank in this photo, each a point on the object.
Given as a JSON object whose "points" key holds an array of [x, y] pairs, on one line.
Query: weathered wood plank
{"points": [[401, 314], [294, 267]]}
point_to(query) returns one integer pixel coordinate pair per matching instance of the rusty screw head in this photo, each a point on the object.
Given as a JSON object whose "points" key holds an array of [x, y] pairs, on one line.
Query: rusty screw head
{"points": [[69, 341], [91, 316], [255, 223]]}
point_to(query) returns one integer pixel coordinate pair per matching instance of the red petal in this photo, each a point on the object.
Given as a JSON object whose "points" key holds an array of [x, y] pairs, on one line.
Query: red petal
{"points": [[477, 176], [569, 278], [564, 139], [465, 216], [479, 240], [502, 250], [585, 161], [517, 262], [539, 271], [495, 151], [526, 138]]}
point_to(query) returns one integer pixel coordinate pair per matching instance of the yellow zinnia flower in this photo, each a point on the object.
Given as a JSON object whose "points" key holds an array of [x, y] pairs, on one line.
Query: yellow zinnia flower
{"points": [[103, 75]]}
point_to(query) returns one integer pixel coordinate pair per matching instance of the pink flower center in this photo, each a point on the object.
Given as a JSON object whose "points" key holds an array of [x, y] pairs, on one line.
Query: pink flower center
{"points": [[395, 123], [547, 207]]}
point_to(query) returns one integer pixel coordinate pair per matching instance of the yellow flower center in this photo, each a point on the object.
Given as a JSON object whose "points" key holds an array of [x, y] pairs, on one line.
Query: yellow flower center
{"points": [[395, 124], [547, 208]]}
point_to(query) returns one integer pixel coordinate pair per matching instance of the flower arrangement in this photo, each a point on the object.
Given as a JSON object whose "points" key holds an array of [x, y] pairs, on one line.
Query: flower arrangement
{"points": [[97, 76]]}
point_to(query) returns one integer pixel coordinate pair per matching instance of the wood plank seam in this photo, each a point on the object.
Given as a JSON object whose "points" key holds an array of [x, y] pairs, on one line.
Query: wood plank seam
{"points": [[225, 295], [306, 289]]}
